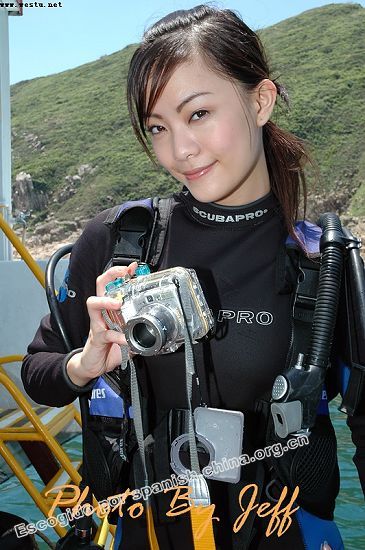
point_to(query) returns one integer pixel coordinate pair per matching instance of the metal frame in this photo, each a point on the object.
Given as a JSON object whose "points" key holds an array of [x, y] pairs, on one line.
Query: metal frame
{"points": [[34, 429]]}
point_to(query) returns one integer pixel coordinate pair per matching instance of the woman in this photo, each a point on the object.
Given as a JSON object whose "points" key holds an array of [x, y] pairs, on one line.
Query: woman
{"points": [[200, 94]]}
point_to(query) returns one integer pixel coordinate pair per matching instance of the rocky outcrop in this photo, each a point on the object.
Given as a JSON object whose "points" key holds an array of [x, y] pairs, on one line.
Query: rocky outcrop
{"points": [[50, 235], [25, 197], [72, 183], [33, 141], [42, 249]]}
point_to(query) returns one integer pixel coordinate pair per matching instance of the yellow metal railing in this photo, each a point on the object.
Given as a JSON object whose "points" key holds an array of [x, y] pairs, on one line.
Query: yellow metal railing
{"points": [[11, 359], [35, 430], [40, 432], [19, 246]]}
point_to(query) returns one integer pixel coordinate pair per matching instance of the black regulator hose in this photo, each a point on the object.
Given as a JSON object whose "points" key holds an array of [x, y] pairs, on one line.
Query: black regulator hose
{"points": [[51, 292], [80, 535], [331, 246], [297, 392]]}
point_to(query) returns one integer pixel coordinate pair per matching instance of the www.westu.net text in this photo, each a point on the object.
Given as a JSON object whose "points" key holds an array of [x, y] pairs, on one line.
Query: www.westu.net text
{"points": [[10, 5]]}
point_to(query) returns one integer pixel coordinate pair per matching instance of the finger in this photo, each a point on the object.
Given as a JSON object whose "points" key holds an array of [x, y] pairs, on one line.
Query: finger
{"points": [[95, 305], [112, 274], [101, 355], [107, 337]]}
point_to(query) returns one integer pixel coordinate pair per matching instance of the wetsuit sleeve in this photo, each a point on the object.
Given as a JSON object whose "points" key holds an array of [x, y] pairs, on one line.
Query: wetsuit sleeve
{"points": [[43, 369]]}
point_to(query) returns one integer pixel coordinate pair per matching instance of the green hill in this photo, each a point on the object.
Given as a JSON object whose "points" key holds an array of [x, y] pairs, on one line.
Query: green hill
{"points": [[79, 116], [320, 57]]}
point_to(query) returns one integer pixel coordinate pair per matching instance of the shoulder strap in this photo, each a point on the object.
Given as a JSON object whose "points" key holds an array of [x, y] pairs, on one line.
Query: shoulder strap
{"points": [[304, 301], [164, 207], [302, 266], [140, 229]]}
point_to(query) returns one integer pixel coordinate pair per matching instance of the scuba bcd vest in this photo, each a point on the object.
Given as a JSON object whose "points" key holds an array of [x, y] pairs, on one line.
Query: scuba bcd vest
{"points": [[140, 228]]}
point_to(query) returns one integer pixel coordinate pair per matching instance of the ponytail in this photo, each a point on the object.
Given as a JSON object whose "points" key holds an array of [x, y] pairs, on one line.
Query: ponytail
{"points": [[286, 156]]}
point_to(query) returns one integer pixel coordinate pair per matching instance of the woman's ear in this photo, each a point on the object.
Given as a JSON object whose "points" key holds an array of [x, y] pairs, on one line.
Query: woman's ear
{"points": [[265, 97]]}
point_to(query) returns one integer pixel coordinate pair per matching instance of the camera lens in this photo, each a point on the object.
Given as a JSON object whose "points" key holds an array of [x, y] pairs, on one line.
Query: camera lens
{"points": [[151, 330], [144, 335]]}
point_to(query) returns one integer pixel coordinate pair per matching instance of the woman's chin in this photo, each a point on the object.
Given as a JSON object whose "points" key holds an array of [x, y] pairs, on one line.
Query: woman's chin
{"points": [[202, 194]]}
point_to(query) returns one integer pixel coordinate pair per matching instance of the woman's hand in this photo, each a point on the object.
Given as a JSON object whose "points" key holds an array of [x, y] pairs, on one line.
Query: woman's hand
{"points": [[101, 352]]}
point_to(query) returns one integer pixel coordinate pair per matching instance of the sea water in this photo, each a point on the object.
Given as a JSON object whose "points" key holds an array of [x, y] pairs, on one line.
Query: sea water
{"points": [[350, 509]]}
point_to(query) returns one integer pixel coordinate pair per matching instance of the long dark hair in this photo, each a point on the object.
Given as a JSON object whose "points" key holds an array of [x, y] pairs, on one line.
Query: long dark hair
{"points": [[232, 49]]}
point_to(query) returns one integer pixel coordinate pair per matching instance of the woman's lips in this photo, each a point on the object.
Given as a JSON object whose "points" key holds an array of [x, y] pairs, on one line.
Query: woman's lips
{"points": [[195, 174]]}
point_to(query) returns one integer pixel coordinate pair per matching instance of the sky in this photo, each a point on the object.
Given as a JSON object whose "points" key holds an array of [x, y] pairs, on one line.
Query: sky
{"points": [[48, 40]]}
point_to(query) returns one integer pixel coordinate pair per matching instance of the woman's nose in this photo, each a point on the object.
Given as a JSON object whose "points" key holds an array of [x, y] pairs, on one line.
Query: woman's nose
{"points": [[185, 145]]}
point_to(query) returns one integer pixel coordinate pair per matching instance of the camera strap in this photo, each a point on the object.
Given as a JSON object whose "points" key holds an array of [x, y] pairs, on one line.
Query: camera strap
{"points": [[199, 487], [199, 493], [138, 426], [189, 374]]}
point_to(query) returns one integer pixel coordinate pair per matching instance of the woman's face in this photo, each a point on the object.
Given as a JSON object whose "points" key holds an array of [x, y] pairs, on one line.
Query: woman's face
{"points": [[207, 135]]}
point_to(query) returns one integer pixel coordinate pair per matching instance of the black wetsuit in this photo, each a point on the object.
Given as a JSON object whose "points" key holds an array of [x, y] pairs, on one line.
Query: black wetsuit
{"points": [[236, 252]]}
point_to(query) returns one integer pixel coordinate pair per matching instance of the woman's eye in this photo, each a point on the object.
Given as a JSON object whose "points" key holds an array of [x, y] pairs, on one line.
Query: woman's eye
{"points": [[154, 130], [199, 114]]}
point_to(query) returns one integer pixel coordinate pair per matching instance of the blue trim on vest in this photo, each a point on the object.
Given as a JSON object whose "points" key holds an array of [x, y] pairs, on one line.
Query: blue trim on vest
{"points": [[142, 203], [323, 404], [105, 402], [63, 290], [309, 235], [315, 531], [344, 372], [118, 534]]}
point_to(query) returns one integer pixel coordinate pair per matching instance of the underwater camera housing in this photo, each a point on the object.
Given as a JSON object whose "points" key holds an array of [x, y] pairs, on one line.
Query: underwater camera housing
{"points": [[156, 307]]}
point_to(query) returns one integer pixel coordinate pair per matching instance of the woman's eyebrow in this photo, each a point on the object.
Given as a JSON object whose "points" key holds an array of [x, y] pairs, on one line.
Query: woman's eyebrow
{"points": [[183, 103]]}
